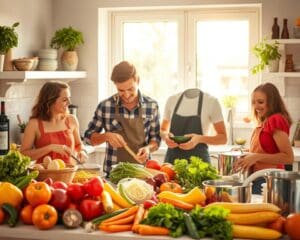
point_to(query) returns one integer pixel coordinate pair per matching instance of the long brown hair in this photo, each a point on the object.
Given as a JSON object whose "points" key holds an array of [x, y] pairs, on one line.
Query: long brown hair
{"points": [[275, 102], [46, 98]]}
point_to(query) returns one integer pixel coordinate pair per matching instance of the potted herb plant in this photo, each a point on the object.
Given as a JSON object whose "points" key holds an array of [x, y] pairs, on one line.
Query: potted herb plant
{"points": [[68, 39], [8, 40], [268, 55]]}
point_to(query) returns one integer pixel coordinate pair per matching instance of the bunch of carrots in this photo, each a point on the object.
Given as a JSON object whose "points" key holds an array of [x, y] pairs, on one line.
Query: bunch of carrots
{"points": [[129, 220]]}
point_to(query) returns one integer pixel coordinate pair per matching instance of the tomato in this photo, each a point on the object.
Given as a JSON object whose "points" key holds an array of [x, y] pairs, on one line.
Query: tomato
{"points": [[90, 209], [292, 226], [38, 193], [44, 217], [94, 187], [278, 224], [154, 164], [169, 170], [26, 214], [59, 199], [2, 215], [76, 191], [171, 186], [60, 185]]}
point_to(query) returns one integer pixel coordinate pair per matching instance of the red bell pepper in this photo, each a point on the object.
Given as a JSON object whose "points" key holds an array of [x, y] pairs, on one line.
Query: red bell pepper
{"points": [[94, 187]]}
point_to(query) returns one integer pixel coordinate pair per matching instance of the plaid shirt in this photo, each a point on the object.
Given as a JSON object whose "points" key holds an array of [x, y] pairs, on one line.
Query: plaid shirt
{"points": [[104, 118]]}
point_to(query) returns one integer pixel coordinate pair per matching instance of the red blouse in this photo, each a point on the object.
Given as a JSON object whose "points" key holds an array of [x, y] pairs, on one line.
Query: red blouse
{"points": [[64, 137]]}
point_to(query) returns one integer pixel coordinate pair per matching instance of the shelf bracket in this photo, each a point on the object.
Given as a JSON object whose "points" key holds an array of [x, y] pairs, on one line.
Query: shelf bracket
{"points": [[6, 84]]}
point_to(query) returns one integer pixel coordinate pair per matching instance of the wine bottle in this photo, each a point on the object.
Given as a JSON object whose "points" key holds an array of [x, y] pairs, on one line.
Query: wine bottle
{"points": [[4, 131]]}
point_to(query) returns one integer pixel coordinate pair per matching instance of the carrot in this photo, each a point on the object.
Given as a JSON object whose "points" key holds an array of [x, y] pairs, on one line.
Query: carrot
{"points": [[115, 228], [125, 220], [130, 211], [177, 203], [138, 217], [144, 229], [145, 213]]}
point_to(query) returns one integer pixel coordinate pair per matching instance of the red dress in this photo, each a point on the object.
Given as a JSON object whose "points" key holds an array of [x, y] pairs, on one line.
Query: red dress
{"points": [[262, 139], [64, 137]]}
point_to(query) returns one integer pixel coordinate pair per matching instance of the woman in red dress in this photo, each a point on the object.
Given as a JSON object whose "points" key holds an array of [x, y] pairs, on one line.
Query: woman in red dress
{"points": [[51, 130], [269, 145]]}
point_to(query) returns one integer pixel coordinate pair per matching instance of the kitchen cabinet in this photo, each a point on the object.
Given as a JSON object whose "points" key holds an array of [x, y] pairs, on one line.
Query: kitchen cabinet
{"points": [[287, 46], [11, 77]]}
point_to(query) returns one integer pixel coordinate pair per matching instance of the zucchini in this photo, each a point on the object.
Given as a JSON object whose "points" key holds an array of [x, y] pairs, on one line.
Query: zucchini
{"points": [[72, 218], [12, 212], [191, 226]]}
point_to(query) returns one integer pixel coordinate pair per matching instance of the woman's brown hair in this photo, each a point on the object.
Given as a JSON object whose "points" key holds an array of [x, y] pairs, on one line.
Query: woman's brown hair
{"points": [[274, 102], [46, 98]]}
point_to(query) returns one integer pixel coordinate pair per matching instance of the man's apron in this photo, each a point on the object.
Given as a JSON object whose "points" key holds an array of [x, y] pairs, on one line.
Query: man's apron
{"points": [[133, 133], [181, 125]]}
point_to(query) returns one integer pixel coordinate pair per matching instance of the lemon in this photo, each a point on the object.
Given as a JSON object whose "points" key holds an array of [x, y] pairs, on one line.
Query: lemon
{"points": [[61, 163]]}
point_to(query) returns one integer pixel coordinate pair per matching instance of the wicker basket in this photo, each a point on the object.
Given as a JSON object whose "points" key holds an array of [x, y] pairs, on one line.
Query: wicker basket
{"points": [[86, 172], [65, 175]]}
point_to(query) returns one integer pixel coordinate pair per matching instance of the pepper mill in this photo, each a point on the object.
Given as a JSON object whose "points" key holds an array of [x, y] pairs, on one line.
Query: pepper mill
{"points": [[285, 30], [275, 29]]}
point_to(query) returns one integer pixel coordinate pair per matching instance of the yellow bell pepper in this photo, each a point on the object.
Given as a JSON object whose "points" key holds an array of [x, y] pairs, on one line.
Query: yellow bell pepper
{"points": [[11, 194], [194, 196]]}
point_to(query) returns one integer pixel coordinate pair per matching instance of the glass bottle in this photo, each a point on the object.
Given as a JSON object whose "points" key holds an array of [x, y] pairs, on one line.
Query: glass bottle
{"points": [[285, 30], [275, 29], [4, 131]]}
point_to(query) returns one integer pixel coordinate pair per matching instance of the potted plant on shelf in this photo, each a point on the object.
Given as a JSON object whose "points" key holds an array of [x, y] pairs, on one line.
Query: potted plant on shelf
{"points": [[268, 55], [68, 39], [8, 40]]}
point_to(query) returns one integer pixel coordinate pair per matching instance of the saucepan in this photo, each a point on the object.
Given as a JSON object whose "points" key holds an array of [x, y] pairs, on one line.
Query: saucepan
{"points": [[283, 190], [233, 190]]}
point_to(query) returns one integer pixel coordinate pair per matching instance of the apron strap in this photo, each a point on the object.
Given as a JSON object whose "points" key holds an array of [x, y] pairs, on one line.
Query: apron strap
{"points": [[200, 102], [178, 103]]}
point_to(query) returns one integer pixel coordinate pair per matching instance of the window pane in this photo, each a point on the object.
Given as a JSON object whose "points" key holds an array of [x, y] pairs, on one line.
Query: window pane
{"points": [[222, 59], [153, 48]]}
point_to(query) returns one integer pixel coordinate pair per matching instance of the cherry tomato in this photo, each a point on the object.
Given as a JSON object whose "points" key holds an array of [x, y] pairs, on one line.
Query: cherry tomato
{"points": [[44, 216], [278, 224], [169, 170], [26, 214], [171, 186], [292, 226], [38, 193]]}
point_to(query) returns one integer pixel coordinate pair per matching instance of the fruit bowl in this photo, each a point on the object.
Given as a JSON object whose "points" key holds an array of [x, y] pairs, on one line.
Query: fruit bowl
{"points": [[180, 139]]}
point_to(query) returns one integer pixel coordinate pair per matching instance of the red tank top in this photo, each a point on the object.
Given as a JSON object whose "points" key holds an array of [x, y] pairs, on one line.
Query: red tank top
{"points": [[64, 137]]}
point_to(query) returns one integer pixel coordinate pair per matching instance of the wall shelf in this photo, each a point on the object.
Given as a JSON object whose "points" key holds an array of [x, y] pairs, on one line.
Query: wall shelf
{"points": [[11, 77]]}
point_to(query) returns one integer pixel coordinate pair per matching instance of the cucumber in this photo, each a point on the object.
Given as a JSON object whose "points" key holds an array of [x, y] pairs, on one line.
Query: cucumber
{"points": [[12, 212], [191, 226]]}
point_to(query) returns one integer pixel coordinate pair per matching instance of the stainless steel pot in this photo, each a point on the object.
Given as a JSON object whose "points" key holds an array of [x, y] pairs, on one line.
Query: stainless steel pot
{"points": [[227, 191], [226, 162], [283, 190]]}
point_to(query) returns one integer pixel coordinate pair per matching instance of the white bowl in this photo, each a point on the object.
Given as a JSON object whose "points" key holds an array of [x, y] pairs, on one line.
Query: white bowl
{"points": [[48, 53]]}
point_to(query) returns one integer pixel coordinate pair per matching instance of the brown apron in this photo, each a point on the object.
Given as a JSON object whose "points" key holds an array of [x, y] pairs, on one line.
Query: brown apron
{"points": [[133, 133], [255, 147]]}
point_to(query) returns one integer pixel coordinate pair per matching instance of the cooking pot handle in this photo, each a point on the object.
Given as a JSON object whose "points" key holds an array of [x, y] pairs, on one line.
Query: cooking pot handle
{"points": [[260, 173]]}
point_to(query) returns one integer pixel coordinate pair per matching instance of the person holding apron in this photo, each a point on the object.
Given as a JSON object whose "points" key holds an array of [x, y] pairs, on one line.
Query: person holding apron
{"points": [[191, 124], [130, 120], [269, 144]]}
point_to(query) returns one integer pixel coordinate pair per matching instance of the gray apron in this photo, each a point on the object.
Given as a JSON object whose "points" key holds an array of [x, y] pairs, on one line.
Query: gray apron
{"points": [[181, 125], [133, 133]]}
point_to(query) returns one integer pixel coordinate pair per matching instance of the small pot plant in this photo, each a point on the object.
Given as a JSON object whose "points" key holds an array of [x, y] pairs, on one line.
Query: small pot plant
{"points": [[68, 39], [265, 52], [8, 38]]}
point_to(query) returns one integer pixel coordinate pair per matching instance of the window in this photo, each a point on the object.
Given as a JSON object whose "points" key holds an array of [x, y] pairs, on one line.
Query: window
{"points": [[178, 49]]}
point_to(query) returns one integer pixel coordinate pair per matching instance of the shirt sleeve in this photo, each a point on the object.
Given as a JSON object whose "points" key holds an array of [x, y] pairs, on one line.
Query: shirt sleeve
{"points": [[277, 122], [155, 126], [216, 113], [95, 125], [168, 108]]}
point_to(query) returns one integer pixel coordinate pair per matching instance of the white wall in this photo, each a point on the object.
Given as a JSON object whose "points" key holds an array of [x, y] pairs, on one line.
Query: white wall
{"points": [[41, 18]]}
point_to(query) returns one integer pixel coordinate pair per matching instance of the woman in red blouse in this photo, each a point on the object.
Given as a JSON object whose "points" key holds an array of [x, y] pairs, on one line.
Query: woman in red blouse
{"points": [[51, 130], [269, 145]]}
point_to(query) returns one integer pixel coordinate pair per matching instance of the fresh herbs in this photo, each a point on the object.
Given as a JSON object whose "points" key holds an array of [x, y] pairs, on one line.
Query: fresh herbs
{"points": [[128, 170], [191, 173]]}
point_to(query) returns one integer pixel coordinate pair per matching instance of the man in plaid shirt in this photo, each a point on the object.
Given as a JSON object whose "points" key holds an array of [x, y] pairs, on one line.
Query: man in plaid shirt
{"points": [[129, 119]]}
